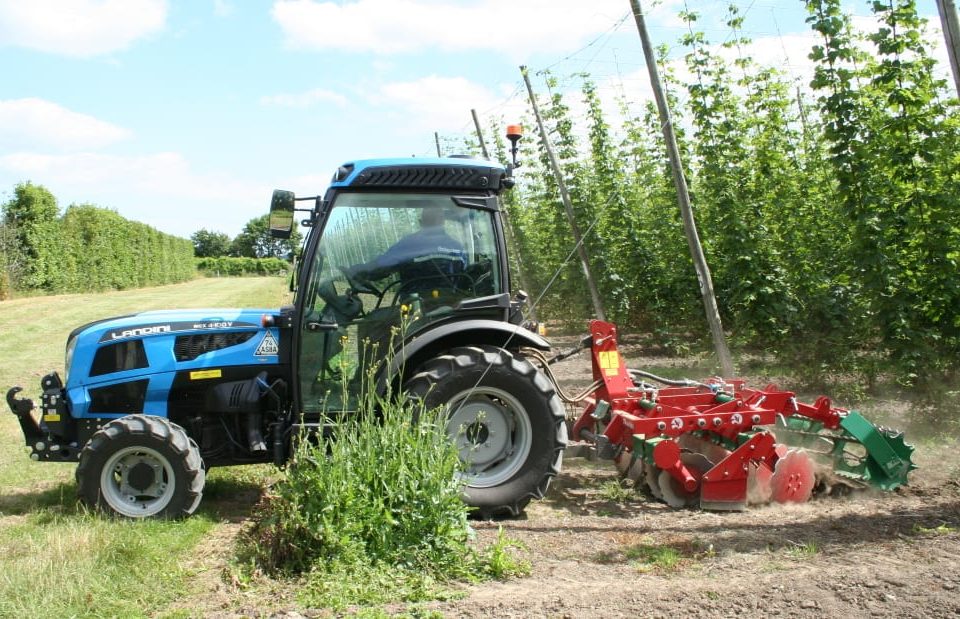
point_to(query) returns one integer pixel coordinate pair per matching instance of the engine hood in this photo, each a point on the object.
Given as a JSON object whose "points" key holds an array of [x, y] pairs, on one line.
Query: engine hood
{"points": [[162, 322], [163, 343]]}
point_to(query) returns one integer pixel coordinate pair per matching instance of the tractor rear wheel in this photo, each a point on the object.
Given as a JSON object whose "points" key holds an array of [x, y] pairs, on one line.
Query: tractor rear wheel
{"points": [[506, 420], [140, 466]]}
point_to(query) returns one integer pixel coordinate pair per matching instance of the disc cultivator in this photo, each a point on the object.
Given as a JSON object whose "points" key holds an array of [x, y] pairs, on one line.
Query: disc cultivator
{"points": [[720, 445]]}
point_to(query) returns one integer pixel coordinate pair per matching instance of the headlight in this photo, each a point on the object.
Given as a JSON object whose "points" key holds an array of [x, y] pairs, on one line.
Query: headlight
{"points": [[71, 346]]}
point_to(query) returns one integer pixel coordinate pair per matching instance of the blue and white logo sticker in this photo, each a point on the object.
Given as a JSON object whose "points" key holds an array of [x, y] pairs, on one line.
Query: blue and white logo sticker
{"points": [[268, 346]]}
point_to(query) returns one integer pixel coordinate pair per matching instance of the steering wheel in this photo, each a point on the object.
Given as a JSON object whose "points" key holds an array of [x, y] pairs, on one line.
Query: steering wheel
{"points": [[360, 283], [445, 274]]}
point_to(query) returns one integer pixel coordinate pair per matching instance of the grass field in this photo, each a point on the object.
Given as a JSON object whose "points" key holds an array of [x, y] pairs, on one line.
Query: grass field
{"points": [[56, 559]]}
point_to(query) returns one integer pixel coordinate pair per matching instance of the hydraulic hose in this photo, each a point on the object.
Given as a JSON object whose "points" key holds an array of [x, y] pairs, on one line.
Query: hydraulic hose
{"points": [[545, 365], [566, 354], [683, 382]]}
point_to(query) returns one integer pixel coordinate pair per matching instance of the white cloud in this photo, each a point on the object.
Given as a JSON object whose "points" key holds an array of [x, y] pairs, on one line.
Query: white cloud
{"points": [[162, 189], [433, 102], [305, 99], [79, 27], [398, 26], [222, 8], [167, 173], [32, 123]]}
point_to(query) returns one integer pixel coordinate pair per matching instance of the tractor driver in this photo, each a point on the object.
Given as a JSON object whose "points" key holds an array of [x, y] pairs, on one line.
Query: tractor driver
{"points": [[425, 260]]}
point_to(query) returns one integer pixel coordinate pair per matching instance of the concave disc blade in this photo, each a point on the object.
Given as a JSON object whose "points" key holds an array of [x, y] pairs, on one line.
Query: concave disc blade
{"points": [[674, 494], [759, 488], [652, 477], [629, 468], [793, 478]]}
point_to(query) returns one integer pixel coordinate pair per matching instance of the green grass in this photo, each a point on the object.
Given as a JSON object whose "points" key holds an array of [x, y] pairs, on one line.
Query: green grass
{"points": [[650, 555], [56, 559], [647, 557], [804, 550], [616, 490], [501, 562], [942, 529], [60, 562]]}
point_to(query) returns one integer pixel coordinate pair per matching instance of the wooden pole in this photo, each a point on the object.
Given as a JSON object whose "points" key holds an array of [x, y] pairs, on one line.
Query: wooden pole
{"points": [[951, 34], [483, 145], [567, 205], [507, 224], [683, 198]]}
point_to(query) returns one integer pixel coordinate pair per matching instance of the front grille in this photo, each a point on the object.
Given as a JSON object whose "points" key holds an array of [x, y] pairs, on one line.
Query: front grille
{"points": [[189, 347], [119, 357]]}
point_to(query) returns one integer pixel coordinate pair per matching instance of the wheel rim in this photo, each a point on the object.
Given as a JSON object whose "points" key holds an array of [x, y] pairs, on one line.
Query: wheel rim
{"points": [[492, 433], [137, 482]]}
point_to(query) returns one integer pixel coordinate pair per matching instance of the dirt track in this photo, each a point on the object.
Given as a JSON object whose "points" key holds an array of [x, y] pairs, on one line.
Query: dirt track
{"points": [[593, 555], [891, 555]]}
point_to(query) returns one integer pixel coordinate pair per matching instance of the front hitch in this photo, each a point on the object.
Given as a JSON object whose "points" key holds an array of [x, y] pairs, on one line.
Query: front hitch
{"points": [[21, 407], [53, 436]]}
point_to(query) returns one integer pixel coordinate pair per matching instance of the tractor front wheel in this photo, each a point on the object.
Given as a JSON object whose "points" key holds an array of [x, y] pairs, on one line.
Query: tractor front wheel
{"points": [[505, 419], [140, 466]]}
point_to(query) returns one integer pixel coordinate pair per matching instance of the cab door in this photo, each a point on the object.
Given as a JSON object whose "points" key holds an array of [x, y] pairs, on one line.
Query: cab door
{"points": [[369, 287]]}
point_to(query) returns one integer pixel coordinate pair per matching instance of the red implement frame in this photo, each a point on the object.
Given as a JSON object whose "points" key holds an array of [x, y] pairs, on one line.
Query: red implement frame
{"points": [[722, 411]]}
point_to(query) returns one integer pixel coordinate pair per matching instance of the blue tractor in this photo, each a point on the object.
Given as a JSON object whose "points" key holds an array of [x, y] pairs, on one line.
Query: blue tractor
{"points": [[402, 286]]}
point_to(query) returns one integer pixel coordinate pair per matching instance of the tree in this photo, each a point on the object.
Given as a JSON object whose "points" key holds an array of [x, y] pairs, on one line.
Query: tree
{"points": [[255, 241], [27, 219], [209, 244], [11, 262], [31, 204]]}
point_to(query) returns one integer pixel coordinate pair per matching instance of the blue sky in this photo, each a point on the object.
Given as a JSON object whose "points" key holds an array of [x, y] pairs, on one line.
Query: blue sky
{"points": [[186, 114]]}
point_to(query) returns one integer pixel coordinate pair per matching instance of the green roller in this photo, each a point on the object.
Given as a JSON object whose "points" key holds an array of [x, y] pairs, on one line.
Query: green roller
{"points": [[884, 463], [888, 457]]}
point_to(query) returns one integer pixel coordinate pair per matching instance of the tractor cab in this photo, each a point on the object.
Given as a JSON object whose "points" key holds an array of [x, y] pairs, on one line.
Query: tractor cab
{"points": [[397, 249]]}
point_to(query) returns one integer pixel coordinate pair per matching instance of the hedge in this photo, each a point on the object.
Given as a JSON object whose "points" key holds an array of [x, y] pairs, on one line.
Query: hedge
{"points": [[232, 267], [91, 248]]}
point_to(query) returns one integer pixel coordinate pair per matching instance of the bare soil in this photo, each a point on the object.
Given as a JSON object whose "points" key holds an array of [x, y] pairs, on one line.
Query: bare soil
{"points": [[869, 554]]}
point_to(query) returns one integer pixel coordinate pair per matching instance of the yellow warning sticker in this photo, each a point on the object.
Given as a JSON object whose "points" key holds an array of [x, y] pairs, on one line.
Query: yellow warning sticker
{"points": [[610, 362], [51, 417], [201, 374]]}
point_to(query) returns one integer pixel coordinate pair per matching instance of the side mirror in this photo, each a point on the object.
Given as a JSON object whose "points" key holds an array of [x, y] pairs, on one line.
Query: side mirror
{"points": [[281, 214]]}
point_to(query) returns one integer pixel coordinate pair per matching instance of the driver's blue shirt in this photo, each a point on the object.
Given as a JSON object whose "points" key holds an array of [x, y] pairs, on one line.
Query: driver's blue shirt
{"points": [[422, 259]]}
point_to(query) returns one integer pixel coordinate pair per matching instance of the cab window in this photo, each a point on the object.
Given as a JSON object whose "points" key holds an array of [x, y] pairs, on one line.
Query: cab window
{"points": [[387, 264]]}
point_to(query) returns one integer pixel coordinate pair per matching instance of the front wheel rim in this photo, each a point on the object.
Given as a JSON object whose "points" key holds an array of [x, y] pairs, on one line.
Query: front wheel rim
{"points": [[492, 433], [137, 482]]}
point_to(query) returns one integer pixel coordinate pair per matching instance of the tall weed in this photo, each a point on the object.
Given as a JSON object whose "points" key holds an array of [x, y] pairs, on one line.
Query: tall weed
{"points": [[369, 513]]}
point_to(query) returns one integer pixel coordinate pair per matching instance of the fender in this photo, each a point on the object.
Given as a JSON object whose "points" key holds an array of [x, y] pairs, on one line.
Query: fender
{"points": [[427, 344]]}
